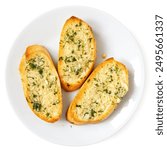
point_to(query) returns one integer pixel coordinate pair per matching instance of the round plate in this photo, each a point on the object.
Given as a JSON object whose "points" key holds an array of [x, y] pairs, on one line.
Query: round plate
{"points": [[113, 39]]}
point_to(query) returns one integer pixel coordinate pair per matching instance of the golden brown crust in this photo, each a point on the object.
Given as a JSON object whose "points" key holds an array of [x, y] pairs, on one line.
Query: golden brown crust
{"points": [[71, 116], [74, 86], [31, 51]]}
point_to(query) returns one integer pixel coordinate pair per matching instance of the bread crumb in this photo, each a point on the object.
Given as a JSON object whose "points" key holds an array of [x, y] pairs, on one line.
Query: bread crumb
{"points": [[103, 56]]}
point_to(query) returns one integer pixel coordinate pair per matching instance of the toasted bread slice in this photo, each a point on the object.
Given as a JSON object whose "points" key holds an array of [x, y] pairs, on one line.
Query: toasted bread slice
{"points": [[100, 94], [41, 83], [77, 53]]}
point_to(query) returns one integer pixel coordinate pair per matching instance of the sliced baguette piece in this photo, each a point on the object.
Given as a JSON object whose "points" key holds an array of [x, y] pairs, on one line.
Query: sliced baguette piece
{"points": [[77, 53], [100, 94], [41, 83]]}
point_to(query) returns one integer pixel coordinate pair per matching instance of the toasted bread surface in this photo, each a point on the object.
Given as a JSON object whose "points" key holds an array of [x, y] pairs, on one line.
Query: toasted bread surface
{"points": [[41, 83], [77, 53], [100, 94]]}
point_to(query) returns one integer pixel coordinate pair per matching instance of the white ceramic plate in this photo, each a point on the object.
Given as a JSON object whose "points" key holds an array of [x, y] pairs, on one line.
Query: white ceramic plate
{"points": [[112, 38]]}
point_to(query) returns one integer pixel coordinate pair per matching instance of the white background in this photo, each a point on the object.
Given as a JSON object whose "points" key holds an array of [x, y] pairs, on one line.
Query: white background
{"points": [[138, 17]]}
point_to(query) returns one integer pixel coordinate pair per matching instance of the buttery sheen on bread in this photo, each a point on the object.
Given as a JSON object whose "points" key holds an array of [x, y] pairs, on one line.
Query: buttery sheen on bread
{"points": [[41, 83], [77, 53], [100, 94]]}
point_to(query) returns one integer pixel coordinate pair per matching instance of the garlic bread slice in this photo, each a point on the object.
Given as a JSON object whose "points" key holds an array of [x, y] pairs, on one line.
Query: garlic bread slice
{"points": [[41, 83], [77, 53], [100, 94]]}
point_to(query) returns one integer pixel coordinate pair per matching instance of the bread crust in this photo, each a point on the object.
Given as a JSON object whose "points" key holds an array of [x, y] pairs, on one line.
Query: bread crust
{"points": [[71, 116], [29, 53], [76, 85]]}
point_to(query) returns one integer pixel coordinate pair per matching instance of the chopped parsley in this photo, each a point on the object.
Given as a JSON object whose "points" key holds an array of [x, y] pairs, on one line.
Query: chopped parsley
{"points": [[70, 59], [57, 102], [85, 113], [92, 112], [100, 111], [55, 92], [110, 78], [47, 114], [95, 79], [120, 91], [34, 96], [96, 85], [116, 69], [107, 91], [96, 102], [40, 71], [78, 71], [78, 106], [34, 83], [37, 106], [32, 65], [70, 35]]}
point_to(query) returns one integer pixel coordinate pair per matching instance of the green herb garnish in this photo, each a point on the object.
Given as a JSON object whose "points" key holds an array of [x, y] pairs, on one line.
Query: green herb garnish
{"points": [[40, 71], [78, 71], [95, 79], [34, 96], [107, 91], [111, 78], [96, 102], [71, 35], [37, 106], [70, 59], [47, 114], [92, 112], [96, 85], [51, 84], [32, 65], [78, 106], [116, 69], [85, 113], [34, 83], [57, 102], [55, 92]]}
